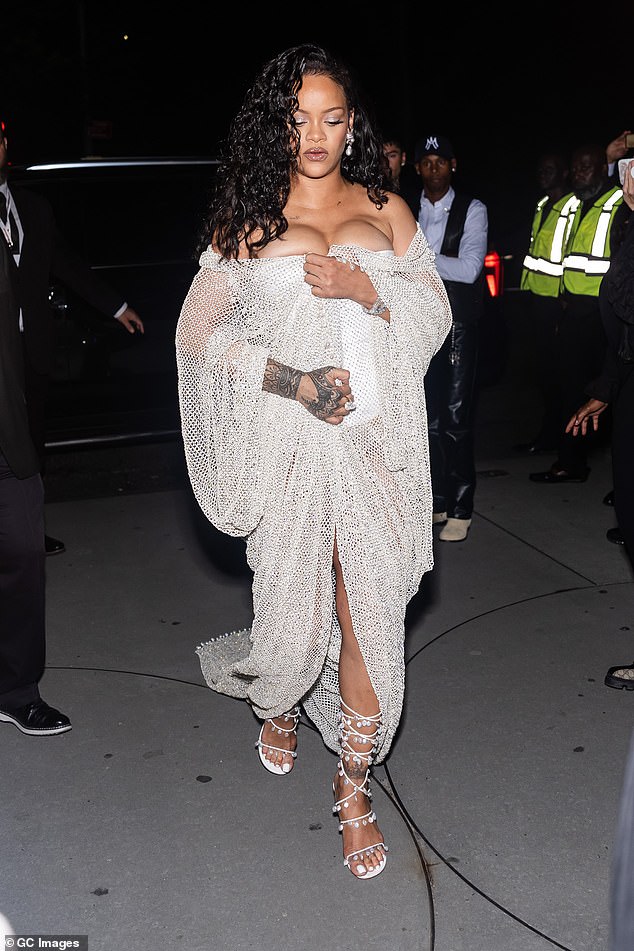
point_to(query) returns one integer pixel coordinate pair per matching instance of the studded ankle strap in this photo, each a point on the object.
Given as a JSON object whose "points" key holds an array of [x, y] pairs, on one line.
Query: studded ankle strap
{"points": [[293, 715], [350, 725]]}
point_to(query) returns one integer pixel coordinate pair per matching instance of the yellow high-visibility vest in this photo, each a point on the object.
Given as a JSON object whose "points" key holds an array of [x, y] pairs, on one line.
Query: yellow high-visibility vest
{"points": [[542, 268], [587, 248]]}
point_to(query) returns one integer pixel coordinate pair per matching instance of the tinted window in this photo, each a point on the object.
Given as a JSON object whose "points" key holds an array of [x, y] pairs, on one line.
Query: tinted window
{"points": [[138, 227], [128, 216]]}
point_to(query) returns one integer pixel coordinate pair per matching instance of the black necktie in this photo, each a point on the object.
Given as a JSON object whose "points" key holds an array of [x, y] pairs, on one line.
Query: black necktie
{"points": [[15, 234]]}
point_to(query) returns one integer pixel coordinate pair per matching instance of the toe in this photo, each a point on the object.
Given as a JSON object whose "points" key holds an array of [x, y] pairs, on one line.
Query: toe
{"points": [[373, 860]]}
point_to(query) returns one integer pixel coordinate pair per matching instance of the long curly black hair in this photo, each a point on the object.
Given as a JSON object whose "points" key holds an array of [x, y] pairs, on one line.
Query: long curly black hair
{"points": [[259, 157]]}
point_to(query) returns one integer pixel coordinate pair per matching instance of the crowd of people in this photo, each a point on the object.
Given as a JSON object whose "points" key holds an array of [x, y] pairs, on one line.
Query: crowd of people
{"points": [[327, 355]]}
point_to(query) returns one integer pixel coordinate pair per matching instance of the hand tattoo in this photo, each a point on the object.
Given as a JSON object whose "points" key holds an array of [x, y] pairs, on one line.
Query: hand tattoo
{"points": [[284, 381], [281, 380], [327, 399]]}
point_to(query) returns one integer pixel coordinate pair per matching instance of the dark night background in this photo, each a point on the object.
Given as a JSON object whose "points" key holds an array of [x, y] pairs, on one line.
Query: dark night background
{"points": [[503, 81]]}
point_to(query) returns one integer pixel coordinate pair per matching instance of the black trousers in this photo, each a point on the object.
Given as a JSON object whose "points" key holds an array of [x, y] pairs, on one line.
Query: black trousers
{"points": [[582, 344], [36, 387], [22, 579], [623, 461], [545, 317], [450, 395]]}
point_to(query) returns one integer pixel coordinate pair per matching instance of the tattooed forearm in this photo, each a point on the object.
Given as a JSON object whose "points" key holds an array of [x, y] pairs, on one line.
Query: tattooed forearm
{"points": [[327, 397], [281, 380], [286, 381]]}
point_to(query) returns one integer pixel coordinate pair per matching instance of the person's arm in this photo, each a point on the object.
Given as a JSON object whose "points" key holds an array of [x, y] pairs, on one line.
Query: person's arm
{"points": [[473, 247], [329, 277], [129, 319], [615, 150], [324, 392], [589, 412], [69, 267]]}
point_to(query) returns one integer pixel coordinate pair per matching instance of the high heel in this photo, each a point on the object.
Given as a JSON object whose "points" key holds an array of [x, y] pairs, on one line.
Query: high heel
{"points": [[350, 724], [282, 770]]}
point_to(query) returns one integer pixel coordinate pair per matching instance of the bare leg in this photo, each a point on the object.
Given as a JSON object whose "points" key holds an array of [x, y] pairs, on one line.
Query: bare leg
{"points": [[358, 694]]}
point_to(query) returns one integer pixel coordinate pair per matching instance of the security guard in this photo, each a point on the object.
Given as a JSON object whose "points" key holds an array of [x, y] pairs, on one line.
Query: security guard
{"points": [[542, 271], [581, 336]]}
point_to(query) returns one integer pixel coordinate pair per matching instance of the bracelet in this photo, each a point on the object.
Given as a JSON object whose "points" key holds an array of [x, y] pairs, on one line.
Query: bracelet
{"points": [[378, 307]]}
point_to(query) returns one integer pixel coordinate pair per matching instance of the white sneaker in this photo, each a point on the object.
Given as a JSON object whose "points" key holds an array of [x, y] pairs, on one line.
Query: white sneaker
{"points": [[438, 517], [455, 530]]}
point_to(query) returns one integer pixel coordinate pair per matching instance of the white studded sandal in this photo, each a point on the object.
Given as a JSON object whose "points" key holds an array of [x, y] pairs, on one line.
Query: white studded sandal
{"points": [[292, 715], [350, 724]]}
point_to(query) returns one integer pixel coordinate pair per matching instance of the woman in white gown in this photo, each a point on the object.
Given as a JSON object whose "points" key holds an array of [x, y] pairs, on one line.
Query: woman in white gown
{"points": [[302, 347]]}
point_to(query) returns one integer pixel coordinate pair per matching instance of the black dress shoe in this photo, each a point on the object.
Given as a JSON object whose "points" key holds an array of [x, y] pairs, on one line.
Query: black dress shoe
{"points": [[614, 535], [37, 719], [609, 498], [555, 476], [53, 546]]}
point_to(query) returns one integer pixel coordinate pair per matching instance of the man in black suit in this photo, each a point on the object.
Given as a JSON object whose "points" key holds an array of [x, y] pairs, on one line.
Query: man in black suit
{"points": [[39, 251], [22, 575]]}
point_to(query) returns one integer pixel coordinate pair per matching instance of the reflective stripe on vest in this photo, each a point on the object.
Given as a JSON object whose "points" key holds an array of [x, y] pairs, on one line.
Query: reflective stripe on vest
{"points": [[586, 263], [543, 265]]}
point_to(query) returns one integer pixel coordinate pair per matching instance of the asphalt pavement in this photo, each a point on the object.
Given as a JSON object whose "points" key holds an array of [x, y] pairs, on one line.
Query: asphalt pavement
{"points": [[152, 823]]}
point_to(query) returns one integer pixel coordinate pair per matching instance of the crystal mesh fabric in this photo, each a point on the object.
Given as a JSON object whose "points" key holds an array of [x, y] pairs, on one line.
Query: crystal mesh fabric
{"points": [[263, 468]]}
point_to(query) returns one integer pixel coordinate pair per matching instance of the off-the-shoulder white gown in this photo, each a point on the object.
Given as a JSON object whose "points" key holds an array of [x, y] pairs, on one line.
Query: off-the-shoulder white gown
{"points": [[262, 467]]}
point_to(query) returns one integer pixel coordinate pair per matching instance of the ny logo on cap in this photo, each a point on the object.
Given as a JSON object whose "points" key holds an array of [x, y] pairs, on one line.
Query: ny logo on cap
{"points": [[431, 143]]}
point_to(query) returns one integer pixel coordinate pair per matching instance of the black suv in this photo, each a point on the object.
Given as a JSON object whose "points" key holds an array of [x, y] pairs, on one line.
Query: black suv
{"points": [[136, 221]]}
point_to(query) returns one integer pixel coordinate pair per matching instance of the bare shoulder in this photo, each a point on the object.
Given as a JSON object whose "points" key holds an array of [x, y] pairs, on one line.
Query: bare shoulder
{"points": [[243, 251], [402, 222]]}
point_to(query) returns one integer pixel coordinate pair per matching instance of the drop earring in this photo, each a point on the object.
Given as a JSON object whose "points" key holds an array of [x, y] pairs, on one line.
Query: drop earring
{"points": [[349, 142]]}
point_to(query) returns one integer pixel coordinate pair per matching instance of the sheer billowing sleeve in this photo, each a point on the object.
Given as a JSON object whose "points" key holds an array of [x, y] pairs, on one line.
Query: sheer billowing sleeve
{"points": [[220, 374], [420, 319]]}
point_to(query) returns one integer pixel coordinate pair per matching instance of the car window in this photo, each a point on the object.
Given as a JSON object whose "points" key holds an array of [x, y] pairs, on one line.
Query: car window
{"points": [[132, 216]]}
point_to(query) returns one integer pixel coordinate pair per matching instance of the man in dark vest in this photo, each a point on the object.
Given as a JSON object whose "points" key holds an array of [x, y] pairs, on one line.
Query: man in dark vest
{"points": [[456, 228]]}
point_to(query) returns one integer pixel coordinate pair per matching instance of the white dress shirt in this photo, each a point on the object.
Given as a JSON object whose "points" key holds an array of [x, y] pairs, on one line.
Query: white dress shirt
{"points": [[433, 217], [11, 209]]}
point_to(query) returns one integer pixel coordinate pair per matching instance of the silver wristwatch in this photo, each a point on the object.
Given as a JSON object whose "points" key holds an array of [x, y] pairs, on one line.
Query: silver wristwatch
{"points": [[378, 307]]}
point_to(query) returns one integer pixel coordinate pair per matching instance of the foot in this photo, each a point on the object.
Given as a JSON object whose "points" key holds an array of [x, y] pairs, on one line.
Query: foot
{"points": [[36, 719], [620, 677], [455, 530], [277, 742], [53, 546], [364, 851]]}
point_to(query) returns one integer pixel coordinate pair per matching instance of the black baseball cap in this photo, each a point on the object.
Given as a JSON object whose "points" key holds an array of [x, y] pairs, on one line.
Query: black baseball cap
{"points": [[434, 145]]}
